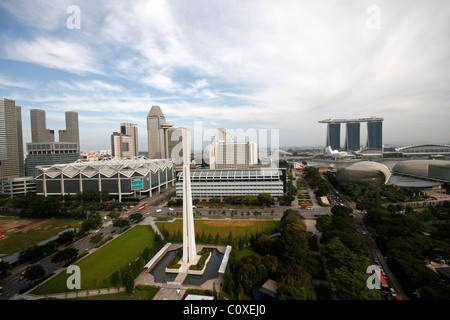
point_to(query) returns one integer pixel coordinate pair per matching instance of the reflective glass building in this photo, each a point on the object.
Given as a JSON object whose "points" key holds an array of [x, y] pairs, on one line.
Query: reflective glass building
{"points": [[375, 135]]}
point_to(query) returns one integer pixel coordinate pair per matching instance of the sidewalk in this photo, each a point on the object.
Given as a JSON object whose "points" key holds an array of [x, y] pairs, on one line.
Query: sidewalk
{"points": [[69, 295]]}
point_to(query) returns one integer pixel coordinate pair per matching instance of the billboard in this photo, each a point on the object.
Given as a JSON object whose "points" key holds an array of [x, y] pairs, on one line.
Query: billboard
{"points": [[137, 184]]}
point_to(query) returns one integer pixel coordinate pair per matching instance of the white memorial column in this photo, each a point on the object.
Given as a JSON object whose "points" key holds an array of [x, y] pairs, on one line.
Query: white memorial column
{"points": [[189, 250]]}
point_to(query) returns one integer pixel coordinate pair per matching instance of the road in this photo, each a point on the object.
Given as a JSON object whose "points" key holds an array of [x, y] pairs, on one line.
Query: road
{"points": [[375, 255]]}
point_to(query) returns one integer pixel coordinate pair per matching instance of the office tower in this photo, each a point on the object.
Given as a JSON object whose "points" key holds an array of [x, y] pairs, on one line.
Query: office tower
{"points": [[131, 129], [39, 131], [352, 142], [123, 146], [71, 133], [334, 136], [158, 134], [10, 140], [231, 155], [155, 133], [43, 150], [20, 141], [375, 135], [49, 153]]}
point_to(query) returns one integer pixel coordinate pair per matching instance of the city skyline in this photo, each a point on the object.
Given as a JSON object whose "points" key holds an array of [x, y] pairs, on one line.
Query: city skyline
{"points": [[231, 64]]}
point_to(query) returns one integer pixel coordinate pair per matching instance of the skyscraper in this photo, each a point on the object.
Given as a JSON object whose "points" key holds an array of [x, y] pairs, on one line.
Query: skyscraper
{"points": [[334, 136], [352, 142], [158, 134], [375, 135], [131, 130], [124, 144], [155, 133], [43, 150], [39, 131], [71, 133], [11, 159], [352, 135]]}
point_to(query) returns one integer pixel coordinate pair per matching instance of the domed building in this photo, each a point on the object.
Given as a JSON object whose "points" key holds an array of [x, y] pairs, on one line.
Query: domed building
{"points": [[364, 172], [425, 169]]}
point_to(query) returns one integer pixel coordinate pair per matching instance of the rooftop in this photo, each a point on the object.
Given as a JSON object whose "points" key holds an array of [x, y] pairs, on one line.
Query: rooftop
{"points": [[371, 119]]}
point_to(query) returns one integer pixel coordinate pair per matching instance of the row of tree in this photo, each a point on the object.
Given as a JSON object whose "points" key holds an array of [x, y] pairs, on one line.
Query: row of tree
{"points": [[321, 186], [68, 206], [409, 241], [346, 259], [284, 258]]}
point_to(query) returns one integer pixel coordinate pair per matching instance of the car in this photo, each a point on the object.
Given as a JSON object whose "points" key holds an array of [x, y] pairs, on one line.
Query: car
{"points": [[357, 230], [392, 291], [170, 209], [368, 242]]}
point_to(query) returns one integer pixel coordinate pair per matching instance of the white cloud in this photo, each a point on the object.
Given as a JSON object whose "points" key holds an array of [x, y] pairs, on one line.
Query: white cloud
{"points": [[52, 53]]}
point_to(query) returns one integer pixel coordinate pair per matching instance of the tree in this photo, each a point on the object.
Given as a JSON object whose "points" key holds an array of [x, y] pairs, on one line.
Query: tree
{"points": [[265, 199], [65, 255], [295, 293], [34, 272]]}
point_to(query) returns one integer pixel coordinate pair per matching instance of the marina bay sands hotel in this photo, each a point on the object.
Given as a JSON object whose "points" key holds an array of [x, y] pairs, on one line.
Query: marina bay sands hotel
{"points": [[352, 135]]}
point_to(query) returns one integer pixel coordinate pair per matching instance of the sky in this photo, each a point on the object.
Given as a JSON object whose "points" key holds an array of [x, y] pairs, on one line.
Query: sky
{"points": [[249, 64]]}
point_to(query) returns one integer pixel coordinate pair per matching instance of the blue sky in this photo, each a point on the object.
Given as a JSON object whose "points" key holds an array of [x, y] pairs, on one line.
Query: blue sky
{"points": [[232, 64]]}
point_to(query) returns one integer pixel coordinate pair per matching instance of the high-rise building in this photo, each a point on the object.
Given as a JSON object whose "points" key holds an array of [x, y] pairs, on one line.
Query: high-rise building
{"points": [[43, 150], [11, 143], [159, 135], [375, 135], [224, 154], [131, 129], [352, 136], [71, 133], [352, 142], [334, 136], [155, 133], [49, 153], [39, 131]]}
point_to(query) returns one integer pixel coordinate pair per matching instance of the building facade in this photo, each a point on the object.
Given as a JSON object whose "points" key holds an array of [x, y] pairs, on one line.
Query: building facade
{"points": [[156, 126], [224, 154], [352, 141], [11, 143], [352, 135], [334, 136], [375, 135], [43, 150], [234, 182], [124, 144], [15, 187], [124, 178], [48, 153], [71, 133], [39, 131]]}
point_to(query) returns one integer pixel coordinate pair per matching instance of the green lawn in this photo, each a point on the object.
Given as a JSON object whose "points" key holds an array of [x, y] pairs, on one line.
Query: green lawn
{"points": [[17, 241], [223, 227], [139, 293], [97, 267]]}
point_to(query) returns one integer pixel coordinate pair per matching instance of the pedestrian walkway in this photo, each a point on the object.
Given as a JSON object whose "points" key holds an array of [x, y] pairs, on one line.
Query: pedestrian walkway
{"points": [[69, 295]]}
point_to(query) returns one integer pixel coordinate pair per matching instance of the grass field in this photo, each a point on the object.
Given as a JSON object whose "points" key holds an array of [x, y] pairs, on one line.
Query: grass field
{"points": [[21, 233], [97, 268], [222, 227]]}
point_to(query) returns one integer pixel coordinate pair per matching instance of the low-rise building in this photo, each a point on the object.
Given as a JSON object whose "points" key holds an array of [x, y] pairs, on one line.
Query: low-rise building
{"points": [[234, 182]]}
